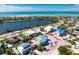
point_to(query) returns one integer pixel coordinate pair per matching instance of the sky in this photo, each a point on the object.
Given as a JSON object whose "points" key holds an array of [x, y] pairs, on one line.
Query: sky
{"points": [[39, 7]]}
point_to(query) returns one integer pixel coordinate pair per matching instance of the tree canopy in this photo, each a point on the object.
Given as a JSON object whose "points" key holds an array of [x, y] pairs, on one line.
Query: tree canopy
{"points": [[64, 50]]}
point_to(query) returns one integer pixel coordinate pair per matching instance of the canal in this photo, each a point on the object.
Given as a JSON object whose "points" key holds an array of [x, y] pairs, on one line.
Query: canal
{"points": [[11, 26]]}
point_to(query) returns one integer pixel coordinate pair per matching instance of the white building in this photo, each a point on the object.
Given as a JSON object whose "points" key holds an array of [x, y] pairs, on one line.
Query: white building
{"points": [[9, 45], [29, 32], [48, 28], [24, 48], [77, 44], [37, 29], [77, 26], [15, 51]]}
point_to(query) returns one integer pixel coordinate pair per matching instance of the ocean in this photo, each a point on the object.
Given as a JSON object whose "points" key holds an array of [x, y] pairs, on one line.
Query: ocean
{"points": [[39, 13]]}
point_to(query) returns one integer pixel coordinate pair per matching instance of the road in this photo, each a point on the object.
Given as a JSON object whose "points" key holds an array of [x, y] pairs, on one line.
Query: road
{"points": [[60, 41]]}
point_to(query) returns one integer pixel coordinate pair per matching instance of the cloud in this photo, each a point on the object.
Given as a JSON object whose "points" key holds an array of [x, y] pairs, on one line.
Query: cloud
{"points": [[12, 8], [8, 8], [75, 8]]}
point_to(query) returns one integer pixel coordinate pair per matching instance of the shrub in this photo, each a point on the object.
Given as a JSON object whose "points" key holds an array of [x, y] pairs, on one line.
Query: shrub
{"points": [[63, 50]]}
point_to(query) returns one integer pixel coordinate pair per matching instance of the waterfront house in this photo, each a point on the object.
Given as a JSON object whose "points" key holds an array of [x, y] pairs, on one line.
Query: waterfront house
{"points": [[24, 48], [29, 32], [36, 29]]}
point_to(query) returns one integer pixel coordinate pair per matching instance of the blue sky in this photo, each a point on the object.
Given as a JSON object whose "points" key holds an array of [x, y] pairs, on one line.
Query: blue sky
{"points": [[39, 7]]}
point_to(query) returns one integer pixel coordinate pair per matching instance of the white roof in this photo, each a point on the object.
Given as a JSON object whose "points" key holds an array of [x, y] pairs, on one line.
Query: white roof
{"points": [[29, 32], [20, 49], [37, 29], [77, 33], [15, 50], [48, 28], [9, 45], [77, 42], [77, 25]]}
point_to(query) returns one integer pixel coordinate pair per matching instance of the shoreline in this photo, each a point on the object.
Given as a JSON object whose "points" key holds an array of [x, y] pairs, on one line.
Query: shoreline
{"points": [[21, 29], [11, 21], [36, 15], [16, 18]]}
